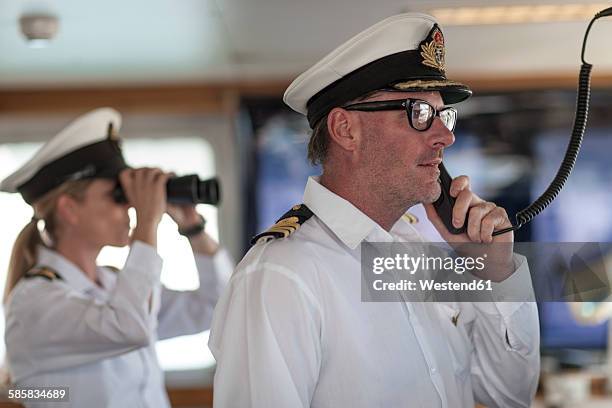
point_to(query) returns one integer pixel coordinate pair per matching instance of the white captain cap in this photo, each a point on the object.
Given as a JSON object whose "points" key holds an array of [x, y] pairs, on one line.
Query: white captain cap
{"points": [[87, 148], [402, 53]]}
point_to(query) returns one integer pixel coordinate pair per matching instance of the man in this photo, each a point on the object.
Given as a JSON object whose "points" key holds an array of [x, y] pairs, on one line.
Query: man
{"points": [[292, 329]]}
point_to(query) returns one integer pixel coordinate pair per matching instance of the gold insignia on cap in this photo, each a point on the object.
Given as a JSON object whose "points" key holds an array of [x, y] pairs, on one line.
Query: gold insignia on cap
{"points": [[433, 51], [410, 218]]}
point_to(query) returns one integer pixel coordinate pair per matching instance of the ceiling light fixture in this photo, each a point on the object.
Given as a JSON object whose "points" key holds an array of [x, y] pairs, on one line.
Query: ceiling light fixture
{"points": [[516, 14], [38, 29]]}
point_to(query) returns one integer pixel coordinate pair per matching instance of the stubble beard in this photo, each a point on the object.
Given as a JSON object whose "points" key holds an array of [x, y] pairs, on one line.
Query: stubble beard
{"points": [[407, 192], [432, 194]]}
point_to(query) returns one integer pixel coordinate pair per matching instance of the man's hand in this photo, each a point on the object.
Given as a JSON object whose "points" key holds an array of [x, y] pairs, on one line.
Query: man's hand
{"points": [[484, 217]]}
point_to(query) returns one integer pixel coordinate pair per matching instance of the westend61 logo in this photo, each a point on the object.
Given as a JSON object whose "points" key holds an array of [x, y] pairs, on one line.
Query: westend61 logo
{"points": [[410, 264]]}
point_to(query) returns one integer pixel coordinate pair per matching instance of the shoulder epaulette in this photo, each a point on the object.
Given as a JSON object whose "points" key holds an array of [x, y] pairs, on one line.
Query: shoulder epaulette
{"points": [[43, 272], [410, 218], [286, 225]]}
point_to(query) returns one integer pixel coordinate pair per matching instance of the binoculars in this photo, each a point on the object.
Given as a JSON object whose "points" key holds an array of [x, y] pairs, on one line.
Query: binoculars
{"points": [[184, 190]]}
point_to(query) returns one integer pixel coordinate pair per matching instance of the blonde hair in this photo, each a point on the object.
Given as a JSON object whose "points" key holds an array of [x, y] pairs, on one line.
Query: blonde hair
{"points": [[25, 249]]}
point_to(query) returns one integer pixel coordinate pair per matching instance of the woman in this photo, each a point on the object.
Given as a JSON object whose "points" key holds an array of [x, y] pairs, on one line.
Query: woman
{"points": [[71, 323]]}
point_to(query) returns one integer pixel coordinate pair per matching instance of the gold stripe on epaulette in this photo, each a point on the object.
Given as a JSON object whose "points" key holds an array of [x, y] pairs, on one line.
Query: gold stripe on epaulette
{"points": [[263, 238], [286, 225], [43, 272]]}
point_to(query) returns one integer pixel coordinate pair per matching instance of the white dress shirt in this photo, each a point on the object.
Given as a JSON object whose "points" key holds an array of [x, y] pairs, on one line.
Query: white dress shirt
{"points": [[291, 329], [100, 340]]}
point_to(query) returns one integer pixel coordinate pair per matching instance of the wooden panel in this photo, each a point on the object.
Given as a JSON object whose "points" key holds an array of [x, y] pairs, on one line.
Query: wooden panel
{"points": [[222, 98], [179, 397], [191, 397], [166, 99], [190, 98]]}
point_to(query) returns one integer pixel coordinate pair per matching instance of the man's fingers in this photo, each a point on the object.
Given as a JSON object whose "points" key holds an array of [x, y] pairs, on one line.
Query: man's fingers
{"points": [[496, 218], [458, 184], [464, 199], [477, 214], [463, 202]]}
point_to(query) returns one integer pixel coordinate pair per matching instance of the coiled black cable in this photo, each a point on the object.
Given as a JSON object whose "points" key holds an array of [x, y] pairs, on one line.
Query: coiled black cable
{"points": [[573, 147]]}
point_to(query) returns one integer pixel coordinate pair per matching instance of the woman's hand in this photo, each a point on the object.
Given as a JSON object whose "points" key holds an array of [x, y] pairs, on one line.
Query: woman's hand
{"points": [[184, 216], [145, 190]]}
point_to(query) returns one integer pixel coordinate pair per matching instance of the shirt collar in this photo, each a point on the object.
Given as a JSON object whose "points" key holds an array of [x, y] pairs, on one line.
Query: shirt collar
{"points": [[70, 273], [107, 277], [345, 220]]}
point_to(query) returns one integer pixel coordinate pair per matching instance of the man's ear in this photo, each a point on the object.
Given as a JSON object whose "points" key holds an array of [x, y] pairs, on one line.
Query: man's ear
{"points": [[343, 129], [66, 209]]}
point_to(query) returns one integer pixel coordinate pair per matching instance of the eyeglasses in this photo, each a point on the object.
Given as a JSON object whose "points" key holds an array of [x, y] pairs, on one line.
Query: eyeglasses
{"points": [[420, 113]]}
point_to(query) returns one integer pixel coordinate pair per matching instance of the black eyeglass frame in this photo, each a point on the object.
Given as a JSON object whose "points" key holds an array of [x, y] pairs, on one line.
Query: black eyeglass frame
{"points": [[402, 104]]}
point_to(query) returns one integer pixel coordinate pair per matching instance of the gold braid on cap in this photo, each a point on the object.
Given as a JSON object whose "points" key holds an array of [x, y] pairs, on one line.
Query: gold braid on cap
{"points": [[419, 83]]}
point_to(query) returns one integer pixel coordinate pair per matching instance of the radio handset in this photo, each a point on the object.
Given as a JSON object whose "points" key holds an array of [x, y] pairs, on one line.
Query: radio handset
{"points": [[445, 202]]}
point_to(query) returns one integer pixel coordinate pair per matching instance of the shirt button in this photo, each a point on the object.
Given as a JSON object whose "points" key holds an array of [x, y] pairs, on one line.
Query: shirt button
{"points": [[433, 370]]}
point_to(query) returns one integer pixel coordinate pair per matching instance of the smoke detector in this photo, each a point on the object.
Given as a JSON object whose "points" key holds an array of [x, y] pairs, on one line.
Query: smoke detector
{"points": [[38, 28]]}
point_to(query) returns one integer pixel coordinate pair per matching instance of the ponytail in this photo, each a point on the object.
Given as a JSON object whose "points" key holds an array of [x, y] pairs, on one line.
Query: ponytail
{"points": [[25, 250], [23, 256]]}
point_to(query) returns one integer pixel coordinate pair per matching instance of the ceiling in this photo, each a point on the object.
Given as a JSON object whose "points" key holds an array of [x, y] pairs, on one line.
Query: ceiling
{"points": [[118, 42]]}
